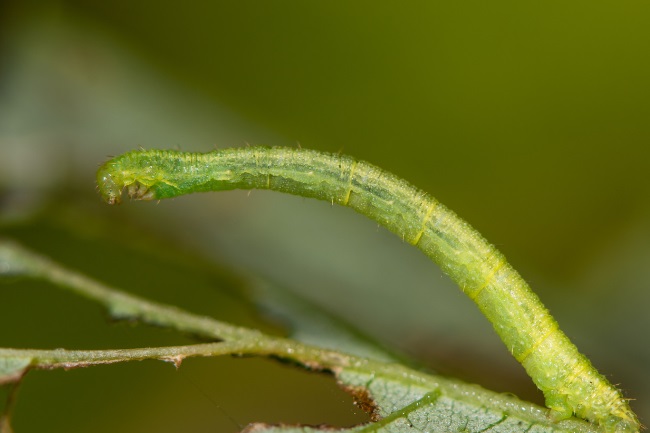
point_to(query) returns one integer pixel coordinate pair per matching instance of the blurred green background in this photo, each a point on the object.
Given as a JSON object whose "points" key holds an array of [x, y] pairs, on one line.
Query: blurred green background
{"points": [[531, 120]]}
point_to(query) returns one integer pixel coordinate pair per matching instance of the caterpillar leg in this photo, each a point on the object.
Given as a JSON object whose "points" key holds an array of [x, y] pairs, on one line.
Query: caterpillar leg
{"points": [[610, 419], [139, 191], [560, 408]]}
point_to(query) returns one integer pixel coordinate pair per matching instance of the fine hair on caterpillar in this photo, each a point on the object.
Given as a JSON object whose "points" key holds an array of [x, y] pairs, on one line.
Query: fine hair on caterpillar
{"points": [[571, 385]]}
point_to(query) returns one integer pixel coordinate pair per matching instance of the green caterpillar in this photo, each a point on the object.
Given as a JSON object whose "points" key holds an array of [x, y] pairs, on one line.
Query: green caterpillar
{"points": [[566, 377]]}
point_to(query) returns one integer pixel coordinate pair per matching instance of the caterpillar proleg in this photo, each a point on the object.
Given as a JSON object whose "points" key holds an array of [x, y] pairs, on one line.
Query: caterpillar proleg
{"points": [[571, 385]]}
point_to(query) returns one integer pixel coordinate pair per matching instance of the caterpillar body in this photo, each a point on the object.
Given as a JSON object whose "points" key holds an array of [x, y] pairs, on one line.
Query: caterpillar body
{"points": [[571, 385]]}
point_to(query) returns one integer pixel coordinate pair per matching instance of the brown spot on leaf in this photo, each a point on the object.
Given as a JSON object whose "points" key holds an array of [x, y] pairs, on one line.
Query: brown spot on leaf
{"points": [[363, 400]]}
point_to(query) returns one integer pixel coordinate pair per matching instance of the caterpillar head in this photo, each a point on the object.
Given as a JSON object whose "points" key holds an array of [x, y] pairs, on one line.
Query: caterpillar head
{"points": [[109, 187]]}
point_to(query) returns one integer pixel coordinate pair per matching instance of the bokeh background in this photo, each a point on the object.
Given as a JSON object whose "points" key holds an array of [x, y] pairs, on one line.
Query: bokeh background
{"points": [[531, 120]]}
